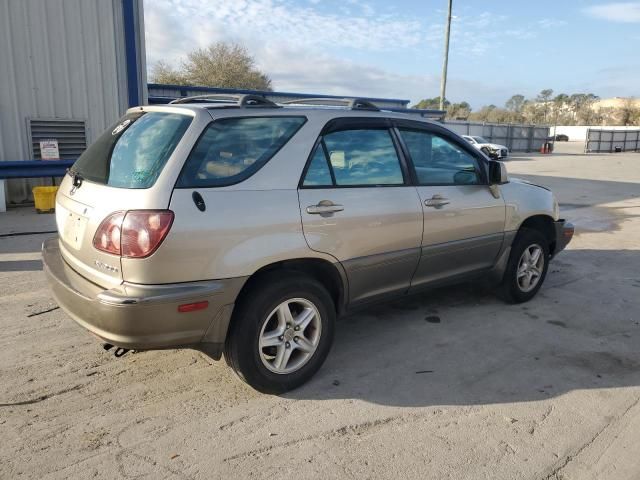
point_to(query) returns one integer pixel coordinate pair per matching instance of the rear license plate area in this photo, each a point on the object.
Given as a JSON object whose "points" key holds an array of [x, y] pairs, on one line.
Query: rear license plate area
{"points": [[73, 230]]}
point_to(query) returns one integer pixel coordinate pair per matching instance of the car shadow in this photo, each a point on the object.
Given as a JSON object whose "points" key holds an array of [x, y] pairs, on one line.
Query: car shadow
{"points": [[463, 346], [523, 157]]}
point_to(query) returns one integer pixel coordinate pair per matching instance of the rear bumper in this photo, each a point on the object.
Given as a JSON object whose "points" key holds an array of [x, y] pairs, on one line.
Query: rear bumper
{"points": [[564, 234], [143, 317]]}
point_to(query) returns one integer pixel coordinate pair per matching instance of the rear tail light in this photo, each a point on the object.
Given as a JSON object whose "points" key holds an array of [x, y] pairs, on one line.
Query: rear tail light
{"points": [[143, 231], [107, 237], [134, 234]]}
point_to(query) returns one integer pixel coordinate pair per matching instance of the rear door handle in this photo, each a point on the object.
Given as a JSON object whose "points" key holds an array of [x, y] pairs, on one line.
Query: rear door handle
{"points": [[436, 201], [324, 207]]}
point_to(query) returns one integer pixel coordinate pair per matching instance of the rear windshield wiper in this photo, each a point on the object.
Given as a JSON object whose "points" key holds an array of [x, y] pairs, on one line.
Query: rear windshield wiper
{"points": [[77, 178]]}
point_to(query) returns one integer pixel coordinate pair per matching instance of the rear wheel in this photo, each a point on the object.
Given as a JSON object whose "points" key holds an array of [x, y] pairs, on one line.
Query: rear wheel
{"points": [[527, 267], [281, 333]]}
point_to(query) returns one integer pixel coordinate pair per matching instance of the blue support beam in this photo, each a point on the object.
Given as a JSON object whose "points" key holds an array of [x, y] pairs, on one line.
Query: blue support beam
{"points": [[131, 52], [34, 168]]}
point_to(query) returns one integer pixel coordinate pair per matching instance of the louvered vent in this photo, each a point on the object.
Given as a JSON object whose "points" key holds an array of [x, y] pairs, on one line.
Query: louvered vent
{"points": [[71, 136]]}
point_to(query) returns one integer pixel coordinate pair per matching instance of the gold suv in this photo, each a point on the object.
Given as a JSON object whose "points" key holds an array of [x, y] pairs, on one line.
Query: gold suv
{"points": [[234, 225]]}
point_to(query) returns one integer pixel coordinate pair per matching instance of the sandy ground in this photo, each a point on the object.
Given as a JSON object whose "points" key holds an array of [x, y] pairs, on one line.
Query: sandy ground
{"points": [[549, 389]]}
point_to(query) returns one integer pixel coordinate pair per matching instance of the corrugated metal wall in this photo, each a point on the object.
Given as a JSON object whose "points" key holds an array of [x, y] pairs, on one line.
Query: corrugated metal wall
{"points": [[604, 139], [579, 132], [59, 59], [517, 138]]}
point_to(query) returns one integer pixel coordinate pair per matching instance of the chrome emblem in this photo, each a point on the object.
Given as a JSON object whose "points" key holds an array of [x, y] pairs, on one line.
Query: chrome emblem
{"points": [[106, 267], [121, 127]]}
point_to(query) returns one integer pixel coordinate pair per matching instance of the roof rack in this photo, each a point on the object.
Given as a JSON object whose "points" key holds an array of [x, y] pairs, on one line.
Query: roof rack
{"points": [[245, 100], [350, 103]]}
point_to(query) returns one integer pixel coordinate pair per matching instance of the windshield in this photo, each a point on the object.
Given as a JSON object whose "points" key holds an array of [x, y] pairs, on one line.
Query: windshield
{"points": [[133, 151], [480, 139]]}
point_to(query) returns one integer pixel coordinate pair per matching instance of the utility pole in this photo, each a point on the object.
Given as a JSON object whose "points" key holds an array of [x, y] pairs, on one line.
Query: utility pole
{"points": [[443, 80]]}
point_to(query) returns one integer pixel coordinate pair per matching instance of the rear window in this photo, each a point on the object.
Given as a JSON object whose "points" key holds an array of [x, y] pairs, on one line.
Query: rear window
{"points": [[232, 149], [133, 151]]}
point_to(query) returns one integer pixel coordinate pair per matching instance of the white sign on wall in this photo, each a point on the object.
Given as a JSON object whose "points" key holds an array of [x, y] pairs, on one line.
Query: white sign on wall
{"points": [[49, 149]]}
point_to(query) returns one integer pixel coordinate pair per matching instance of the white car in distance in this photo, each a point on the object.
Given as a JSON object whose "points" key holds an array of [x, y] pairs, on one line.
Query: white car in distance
{"points": [[492, 150]]}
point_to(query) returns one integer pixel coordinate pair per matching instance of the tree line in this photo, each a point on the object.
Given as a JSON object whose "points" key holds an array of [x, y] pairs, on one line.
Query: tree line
{"points": [[229, 65], [221, 64], [545, 108]]}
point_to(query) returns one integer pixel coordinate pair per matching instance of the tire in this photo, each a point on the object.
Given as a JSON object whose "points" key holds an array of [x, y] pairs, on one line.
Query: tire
{"points": [[514, 288], [260, 312]]}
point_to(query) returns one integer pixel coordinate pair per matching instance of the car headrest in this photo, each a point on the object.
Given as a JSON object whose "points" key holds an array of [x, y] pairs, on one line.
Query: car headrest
{"points": [[337, 159]]}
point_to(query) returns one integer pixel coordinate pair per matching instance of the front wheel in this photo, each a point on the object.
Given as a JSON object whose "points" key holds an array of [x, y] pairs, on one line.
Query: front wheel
{"points": [[527, 267], [281, 332]]}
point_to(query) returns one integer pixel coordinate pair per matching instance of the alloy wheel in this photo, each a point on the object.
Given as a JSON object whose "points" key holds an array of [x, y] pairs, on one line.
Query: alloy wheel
{"points": [[290, 336], [530, 267]]}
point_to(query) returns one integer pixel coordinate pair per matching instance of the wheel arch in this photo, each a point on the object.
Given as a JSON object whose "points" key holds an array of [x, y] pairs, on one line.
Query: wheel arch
{"points": [[545, 225], [329, 274]]}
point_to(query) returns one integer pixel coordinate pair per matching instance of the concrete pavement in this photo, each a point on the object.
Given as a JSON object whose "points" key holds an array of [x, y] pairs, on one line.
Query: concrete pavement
{"points": [[449, 384]]}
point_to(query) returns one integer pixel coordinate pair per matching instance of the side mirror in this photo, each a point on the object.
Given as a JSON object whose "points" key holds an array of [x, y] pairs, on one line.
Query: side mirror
{"points": [[497, 173], [489, 153]]}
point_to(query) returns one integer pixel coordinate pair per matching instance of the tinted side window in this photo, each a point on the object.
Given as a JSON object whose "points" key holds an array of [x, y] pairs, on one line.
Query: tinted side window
{"points": [[363, 157], [438, 161], [232, 149], [318, 173]]}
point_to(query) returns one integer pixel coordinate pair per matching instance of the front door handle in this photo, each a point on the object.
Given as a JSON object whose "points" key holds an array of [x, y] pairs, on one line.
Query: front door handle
{"points": [[436, 201], [324, 207]]}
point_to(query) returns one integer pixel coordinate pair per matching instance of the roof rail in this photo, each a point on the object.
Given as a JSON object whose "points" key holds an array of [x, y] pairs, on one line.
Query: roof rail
{"points": [[245, 100], [350, 103]]}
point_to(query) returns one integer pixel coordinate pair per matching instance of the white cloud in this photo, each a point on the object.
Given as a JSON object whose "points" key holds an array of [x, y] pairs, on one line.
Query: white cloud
{"points": [[175, 27], [626, 12], [304, 49], [276, 21], [478, 35], [366, 9], [547, 23], [330, 75]]}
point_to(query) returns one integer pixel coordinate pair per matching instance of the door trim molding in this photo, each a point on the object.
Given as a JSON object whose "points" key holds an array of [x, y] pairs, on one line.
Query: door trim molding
{"points": [[380, 274]]}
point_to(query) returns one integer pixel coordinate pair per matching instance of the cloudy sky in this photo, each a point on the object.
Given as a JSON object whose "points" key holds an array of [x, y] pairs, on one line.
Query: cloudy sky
{"points": [[394, 48]]}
